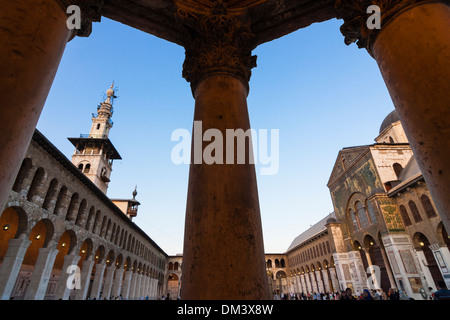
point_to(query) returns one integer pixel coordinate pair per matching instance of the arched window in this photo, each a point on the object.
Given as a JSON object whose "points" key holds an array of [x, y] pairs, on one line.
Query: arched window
{"points": [[405, 216], [371, 210], [397, 169], [80, 166], [354, 220], [36, 184], [391, 140], [87, 168], [414, 211], [428, 207], [362, 215]]}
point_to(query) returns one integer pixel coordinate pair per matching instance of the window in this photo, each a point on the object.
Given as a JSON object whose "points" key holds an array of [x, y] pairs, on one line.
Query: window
{"points": [[362, 215], [354, 221], [414, 211], [405, 216], [98, 126], [372, 215], [397, 169], [426, 203], [80, 166], [87, 168]]}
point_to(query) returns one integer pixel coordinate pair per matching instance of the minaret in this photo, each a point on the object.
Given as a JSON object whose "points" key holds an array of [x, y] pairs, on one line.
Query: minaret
{"points": [[94, 152]]}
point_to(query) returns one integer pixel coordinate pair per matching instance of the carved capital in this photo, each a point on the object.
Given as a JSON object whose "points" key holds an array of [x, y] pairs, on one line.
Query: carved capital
{"points": [[218, 41], [355, 16], [90, 12]]}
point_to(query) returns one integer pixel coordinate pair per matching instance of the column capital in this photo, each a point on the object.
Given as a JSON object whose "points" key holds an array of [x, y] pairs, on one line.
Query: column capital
{"points": [[355, 16], [218, 41], [90, 12]]}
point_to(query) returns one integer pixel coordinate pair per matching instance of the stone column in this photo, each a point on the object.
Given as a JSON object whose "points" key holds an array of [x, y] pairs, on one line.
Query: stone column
{"points": [[107, 288], [132, 294], [334, 279], [10, 266], [31, 48], [41, 274], [86, 271], [222, 215], [62, 290], [412, 51], [98, 281], [325, 280], [127, 284], [117, 285]]}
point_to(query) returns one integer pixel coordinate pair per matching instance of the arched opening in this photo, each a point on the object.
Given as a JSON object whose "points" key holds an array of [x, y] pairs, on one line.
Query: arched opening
{"points": [[414, 211], [50, 195], [87, 168], [71, 211], [376, 257], [397, 169], [24, 172], [269, 264], [357, 247], [40, 236], [173, 284], [59, 206], [421, 243], [281, 282], [13, 223], [427, 206], [405, 216], [65, 246], [81, 213], [36, 184]]}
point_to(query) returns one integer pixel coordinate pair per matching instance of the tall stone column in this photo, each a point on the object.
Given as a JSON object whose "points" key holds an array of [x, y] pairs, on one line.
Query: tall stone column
{"points": [[132, 294], [10, 267], [222, 215], [33, 37], [127, 284], [41, 274], [107, 288], [98, 281], [412, 50], [117, 285], [86, 271], [62, 290]]}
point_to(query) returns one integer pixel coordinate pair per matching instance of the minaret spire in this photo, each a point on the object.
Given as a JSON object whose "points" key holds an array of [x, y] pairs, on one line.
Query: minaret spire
{"points": [[94, 153]]}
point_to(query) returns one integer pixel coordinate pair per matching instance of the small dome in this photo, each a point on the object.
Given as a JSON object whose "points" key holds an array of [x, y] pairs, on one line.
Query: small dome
{"points": [[331, 220], [390, 118]]}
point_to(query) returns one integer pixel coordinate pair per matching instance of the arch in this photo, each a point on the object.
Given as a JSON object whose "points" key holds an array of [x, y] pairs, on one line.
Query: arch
{"points": [[107, 231], [362, 215], [50, 195], [397, 169], [13, 224], [99, 254], [127, 264], [405, 216], [70, 214], [85, 252], [40, 236], [428, 206], [103, 227], [81, 166], [376, 257], [66, 244], [90, 220], [95, 228], [59, 206], [36, 184], [414, 211], [110, 258], [81, 213], [119, 261], [421, 243], [87, 168], [24, 172], [277, 263]]}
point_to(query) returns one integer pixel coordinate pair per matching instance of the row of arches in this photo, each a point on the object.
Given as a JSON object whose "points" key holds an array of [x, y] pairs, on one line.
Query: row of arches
{"points": [[51, 195], [48, 249], [415, 213], [278, 263]]}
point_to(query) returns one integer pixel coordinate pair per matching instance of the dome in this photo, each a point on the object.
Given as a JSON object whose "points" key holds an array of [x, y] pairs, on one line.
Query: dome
{"points": [[110, 91], [390, 118]]}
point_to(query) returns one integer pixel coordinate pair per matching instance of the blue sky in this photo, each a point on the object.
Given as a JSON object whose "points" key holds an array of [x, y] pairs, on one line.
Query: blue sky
{"points": [[319, 93]]}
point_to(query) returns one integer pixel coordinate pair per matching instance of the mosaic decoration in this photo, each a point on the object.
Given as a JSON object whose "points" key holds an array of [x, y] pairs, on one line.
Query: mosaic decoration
{"points": [[408, 261], [391, 216]]}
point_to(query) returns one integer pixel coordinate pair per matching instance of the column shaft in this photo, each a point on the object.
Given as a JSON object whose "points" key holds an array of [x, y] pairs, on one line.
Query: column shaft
{"points": [[33, 38], [222, 216], [413, 54]]}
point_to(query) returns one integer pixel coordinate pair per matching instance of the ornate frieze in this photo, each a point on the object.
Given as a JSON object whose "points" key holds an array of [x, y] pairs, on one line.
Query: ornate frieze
{"points": [[357, 25], [218, 41]]}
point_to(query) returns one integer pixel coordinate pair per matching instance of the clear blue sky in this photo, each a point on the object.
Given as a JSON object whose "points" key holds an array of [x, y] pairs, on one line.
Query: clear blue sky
{"points": [[321, 94]]}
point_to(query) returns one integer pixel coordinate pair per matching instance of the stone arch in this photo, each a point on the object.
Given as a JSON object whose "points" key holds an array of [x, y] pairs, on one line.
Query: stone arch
{"points": [[86, 251], [61, 201], [73, 205], [99, 254], [51, 194], [90, 220], [66, 245], [24, 173], [81, 213], [35, 192], [13, 224], [422, 244]]}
